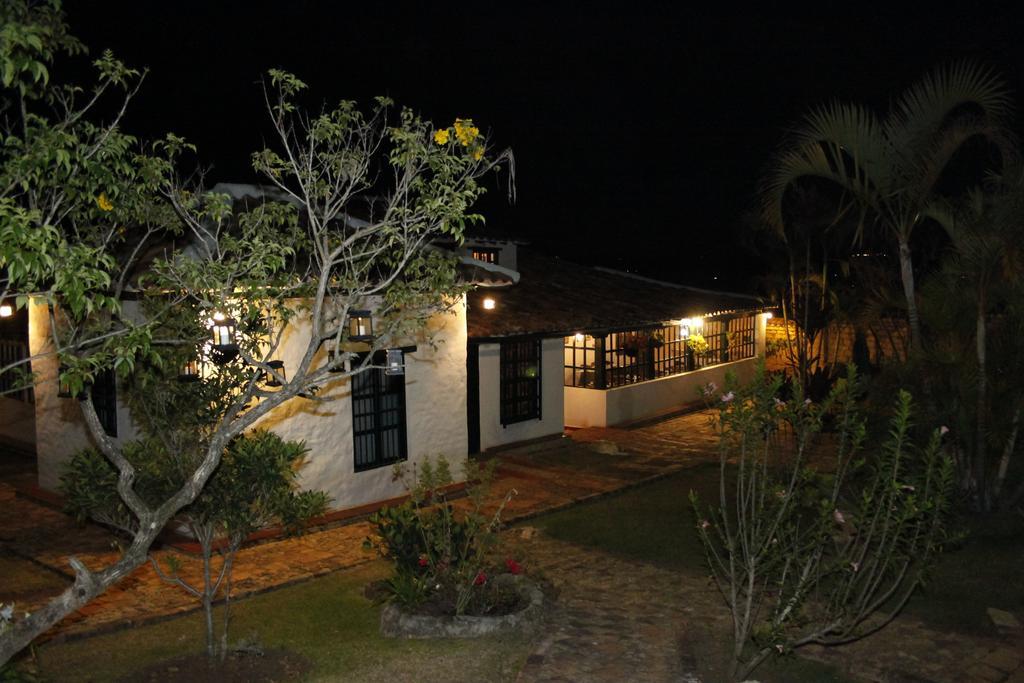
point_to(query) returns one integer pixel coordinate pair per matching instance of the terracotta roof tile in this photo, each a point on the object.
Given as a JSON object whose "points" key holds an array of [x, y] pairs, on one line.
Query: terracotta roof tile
{"points": [[558, 297]]}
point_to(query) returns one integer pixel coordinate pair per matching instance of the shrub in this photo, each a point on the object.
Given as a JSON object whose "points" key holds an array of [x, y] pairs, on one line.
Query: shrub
{"points": [[830, 555], [439, 553]]}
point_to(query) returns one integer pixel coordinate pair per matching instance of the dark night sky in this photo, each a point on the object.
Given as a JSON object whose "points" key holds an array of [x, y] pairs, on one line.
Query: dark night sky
{"points": [[639, 134]]}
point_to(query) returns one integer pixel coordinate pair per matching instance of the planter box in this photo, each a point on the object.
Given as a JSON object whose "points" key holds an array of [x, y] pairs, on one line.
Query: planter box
{"points": [[397, 623]]}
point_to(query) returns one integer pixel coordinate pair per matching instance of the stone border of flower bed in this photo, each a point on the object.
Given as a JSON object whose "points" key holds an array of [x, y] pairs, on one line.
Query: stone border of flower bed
{"points": [[396, 623]]}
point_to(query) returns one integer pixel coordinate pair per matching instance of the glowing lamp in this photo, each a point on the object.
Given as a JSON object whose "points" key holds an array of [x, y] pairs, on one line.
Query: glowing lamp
{"points": [[271, 379], [6, 310], [360, 326], [768, 315], [189, 371], [223, 347], [579, 337], [684, 328], [489, 304]]}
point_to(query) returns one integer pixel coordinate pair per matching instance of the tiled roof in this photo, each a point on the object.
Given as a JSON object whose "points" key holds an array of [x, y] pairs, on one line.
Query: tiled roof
{"points": [[558, 297]]}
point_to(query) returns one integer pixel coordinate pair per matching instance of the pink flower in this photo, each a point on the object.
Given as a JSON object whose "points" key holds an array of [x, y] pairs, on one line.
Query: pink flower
{"points": [[704, 524], [838, 517], [423, 561], [480, 579], [943, 430], [728, 397], [807, 401], [513, 566]]}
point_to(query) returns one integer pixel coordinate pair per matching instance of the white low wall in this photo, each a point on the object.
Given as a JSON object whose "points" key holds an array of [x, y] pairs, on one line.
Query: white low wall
{"points": [[610, 407], [492, 432]]}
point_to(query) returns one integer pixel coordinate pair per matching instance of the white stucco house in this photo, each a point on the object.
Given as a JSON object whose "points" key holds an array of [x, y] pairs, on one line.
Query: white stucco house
{"points": [[539, 345], [579, 346]]}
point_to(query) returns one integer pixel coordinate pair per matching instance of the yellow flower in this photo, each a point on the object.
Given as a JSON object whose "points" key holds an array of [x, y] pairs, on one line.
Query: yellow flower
{"points": [[478, 153], [465, 131], [441, 136], [104, 203]]}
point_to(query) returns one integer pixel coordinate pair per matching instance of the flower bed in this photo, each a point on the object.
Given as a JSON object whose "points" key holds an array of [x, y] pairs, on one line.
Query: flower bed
{"points": [[397, 622]]}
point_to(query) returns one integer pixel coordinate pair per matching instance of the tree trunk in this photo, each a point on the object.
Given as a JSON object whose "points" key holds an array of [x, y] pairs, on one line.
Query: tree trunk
{"points": [[979, 471], [1004, 462], [907, 276], [86, 587]]}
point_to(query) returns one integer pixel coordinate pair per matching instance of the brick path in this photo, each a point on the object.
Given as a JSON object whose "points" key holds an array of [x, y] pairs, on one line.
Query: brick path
{"points": [[546, 475]]}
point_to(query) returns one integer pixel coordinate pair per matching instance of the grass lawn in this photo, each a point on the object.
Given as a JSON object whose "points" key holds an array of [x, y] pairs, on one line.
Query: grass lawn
{"points": [[326, 620]]}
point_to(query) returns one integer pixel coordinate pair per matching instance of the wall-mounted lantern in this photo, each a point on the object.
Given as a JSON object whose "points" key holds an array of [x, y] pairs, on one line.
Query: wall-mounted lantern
{"points": [[189, 371], [360, 326], [6, 309], [278, 367], [394, 363], [684, 328], [223, 347], [489, 304]]}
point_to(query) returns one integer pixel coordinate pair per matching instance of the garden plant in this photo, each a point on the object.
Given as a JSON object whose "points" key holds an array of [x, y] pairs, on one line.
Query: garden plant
{"points": [[818, 537]]}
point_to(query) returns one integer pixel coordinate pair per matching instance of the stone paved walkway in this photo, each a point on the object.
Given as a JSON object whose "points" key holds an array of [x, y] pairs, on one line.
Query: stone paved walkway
{"points": [[547, 475]]}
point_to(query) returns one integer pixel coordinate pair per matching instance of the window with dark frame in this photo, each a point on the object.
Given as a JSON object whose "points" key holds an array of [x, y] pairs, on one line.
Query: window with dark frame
{"points": [[486, 255], [378, 418], [520, 381], [630, 356], [104, 398]]}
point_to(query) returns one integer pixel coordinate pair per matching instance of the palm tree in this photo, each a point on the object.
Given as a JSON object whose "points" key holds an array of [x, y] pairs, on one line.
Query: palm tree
{"points": [[987, 264], [891, 168]]}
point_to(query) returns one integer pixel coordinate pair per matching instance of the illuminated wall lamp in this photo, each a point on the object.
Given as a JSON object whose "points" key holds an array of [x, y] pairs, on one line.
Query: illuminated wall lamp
{"points": [[394, 362], [360, 326], [189, 371], [278, 367], [489, 304], [684, 328], [6, 310], [224, 347]]}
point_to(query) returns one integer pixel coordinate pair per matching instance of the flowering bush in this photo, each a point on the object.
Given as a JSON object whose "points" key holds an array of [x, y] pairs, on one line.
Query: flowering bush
{"points": [[823, 552], [440, 553]]}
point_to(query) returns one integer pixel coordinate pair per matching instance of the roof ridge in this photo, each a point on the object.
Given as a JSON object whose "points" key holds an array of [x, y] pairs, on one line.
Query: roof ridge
{"points": [[676, 285]]}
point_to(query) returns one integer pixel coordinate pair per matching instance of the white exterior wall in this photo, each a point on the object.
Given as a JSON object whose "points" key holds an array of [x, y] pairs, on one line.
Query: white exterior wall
{"points": [[435, 408], [609, 407], [492, 433], [60, 427], [435, 389]]}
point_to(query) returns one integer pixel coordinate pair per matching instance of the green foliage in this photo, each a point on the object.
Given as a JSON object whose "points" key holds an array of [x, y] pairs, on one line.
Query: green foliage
{"points": [[439, 553], [824, 549]]}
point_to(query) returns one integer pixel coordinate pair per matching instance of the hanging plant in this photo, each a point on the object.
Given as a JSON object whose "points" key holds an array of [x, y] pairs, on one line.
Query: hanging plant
{"points": [[698, 344]]}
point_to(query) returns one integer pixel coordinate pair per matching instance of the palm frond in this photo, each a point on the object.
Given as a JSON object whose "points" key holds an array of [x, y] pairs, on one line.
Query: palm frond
{"points": [[925, 108]]}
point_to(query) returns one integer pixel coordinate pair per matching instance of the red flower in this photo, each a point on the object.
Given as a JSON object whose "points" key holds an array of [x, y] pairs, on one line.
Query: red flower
{"points": [[424, 561], [480, 579], [513, 566]]}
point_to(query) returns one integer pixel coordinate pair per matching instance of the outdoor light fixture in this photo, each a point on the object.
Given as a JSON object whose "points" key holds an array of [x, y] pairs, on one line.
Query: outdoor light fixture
{"points": [[360, 326], [278, 367], [768, 315], [684, 328], [6, 310], [580, 337], [223, 347], [395, 362], [489, 304], [189, 371]]}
